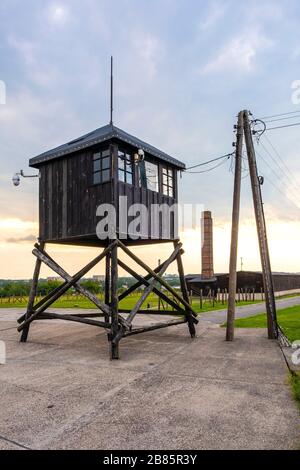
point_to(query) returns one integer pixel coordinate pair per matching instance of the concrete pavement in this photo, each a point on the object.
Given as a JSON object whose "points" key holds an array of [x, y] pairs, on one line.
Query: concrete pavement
{"points": [[219, 316], [61, 391]]}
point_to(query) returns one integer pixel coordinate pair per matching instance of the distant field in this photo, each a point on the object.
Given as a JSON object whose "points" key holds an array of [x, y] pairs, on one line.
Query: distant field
{"points": [[288, 319], [128, 303]]}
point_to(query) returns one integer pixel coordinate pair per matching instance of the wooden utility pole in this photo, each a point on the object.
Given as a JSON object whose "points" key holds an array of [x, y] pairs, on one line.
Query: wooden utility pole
{"points": [[235, 228], [262, 232]]}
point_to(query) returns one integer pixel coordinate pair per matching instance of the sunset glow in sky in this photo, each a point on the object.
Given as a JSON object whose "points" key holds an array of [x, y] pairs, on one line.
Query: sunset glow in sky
{"points": [[183, 70]]}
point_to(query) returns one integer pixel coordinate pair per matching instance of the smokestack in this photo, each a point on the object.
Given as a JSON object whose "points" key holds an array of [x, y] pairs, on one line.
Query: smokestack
{"points": [[207, 245]]}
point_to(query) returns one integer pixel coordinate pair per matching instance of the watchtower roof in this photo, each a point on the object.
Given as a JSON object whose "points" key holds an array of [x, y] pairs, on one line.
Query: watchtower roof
{"points": [[98, 136]]}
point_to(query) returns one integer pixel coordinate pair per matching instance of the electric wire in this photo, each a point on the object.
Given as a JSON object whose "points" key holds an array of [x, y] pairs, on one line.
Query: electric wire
{"points": [[279, 115], [283, 127], [282, 170], [210, 169], [295, 116], [209, 161], [274, 185]]}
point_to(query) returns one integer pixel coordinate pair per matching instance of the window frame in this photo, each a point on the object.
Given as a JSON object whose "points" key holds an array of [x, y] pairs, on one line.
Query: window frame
{"points": [[168, 173], [127, 157], [102, 169], [157, 190]]}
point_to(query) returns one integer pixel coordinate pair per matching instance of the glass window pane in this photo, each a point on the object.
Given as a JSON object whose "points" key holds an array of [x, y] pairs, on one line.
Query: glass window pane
{"points": [[170, 173], [121, 175], [105, 176], [105, 153], [165, 171], [152, 176], [128, 158], [97, 178], [165, 180], [121, 163], [165, 190], [120, 153], [129, 178], [97, 165], [105, 163], [96, 156], [171, 192]]}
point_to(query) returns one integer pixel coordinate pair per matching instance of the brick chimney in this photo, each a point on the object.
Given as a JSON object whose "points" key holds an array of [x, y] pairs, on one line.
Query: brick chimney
{"points": [[207, 245]]}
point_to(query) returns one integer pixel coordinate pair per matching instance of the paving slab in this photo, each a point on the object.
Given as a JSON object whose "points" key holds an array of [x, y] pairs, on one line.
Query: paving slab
{"points": [[61, 391]]}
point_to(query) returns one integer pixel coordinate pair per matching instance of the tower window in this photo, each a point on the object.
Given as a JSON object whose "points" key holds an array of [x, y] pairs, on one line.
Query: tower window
{"points": [[101, 166], [151, 171], [125, 166], [168, 182]]}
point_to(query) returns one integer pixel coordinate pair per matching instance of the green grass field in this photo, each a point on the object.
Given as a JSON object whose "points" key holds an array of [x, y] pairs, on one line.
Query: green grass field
{"points": [[127, 303], [295, 384], [288, 319]]}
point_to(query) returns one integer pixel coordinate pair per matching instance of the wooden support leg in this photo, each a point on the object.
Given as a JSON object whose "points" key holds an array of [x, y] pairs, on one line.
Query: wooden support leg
{"points": [[32, 296], [185, 294], [107, 282], [114, 337]]}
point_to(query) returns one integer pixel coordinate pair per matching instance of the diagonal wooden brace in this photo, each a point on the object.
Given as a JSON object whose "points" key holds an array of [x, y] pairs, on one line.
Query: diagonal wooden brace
{"points": [[152, 285], [160, 280], [46, 259], [67, 285], [145, 281]]}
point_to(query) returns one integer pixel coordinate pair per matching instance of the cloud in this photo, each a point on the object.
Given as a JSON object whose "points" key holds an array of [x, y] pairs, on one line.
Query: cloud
{"points": [[238, 54], [28, 238], [30, 54], [58, 14], [26, 49], [149, 50], [215, 13]]}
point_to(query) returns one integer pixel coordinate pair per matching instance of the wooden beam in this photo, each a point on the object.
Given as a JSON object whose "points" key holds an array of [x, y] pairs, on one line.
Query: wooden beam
{"points": [[67, 286], [151, 286], [185, 293], [145, 281], [73, 318], [114, 345], [158, 278], [158, 326], [141, 280], [235, 228], [155, 312], [46, 259], [32, 295]]}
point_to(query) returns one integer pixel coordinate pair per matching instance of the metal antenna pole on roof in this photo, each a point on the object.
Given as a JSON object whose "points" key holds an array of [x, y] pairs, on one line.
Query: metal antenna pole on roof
{"points": [[111, 90]]}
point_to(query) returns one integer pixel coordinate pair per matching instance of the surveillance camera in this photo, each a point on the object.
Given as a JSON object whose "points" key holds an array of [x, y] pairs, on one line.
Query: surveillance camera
{"points": [[16, 179], [141, 154]]}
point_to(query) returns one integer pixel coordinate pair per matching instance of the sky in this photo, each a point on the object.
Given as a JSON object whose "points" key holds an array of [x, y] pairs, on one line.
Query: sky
{"points": [[183, 70]]}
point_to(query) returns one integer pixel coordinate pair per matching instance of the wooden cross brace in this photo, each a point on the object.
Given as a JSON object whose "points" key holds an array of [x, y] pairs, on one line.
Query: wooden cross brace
{"points": [[116, 325], [70, 281]]}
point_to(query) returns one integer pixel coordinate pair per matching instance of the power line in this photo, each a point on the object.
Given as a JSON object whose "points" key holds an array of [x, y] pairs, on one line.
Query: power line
{"points": [[278, 189], [279, 156], [279, 167], [274, 185], [295, 116], [290, 176], [282, 127], [294, 194], [209, 161], [210, 169], [278, 115]]}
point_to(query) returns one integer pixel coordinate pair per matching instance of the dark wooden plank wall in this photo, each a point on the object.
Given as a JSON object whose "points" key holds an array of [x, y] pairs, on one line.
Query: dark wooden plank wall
{"points": [[69, 200]]}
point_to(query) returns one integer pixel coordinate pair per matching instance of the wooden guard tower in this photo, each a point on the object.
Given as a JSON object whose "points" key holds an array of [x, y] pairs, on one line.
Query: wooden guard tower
{"points": [[75, 179]]}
